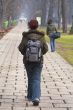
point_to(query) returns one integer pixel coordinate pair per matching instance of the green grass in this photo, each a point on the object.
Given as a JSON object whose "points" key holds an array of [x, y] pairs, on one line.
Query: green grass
{"points": [[64, 46], [66, 54], [66, 39]]}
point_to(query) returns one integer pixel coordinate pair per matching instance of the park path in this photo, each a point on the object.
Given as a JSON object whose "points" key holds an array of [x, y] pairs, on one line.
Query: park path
{"points": [[56, 79]]}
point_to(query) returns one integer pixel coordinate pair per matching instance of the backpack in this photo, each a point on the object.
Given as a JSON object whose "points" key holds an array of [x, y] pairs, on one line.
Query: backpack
{"points": [[33, 50]]}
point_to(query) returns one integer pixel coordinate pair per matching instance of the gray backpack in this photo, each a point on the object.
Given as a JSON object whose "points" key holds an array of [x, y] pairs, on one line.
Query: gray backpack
{"points": [[33, 50]]}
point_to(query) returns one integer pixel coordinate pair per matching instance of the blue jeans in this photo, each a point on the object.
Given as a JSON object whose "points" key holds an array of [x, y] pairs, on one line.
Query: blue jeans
{"points": [[34, 79], [52, 44]]}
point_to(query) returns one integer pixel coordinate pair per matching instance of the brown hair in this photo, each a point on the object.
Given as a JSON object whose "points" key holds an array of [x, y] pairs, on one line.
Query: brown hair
{"points": [[33, 24]]}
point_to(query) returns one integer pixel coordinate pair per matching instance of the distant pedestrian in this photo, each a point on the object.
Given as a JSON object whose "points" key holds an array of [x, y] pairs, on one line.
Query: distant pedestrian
{"points": [[33, 46], [50, 30]]}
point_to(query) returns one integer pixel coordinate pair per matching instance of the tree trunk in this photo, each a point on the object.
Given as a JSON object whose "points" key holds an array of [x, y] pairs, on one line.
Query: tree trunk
{"points": [[1, 13], [59, 14], [64, 15], [50, 15], [43, 5]]}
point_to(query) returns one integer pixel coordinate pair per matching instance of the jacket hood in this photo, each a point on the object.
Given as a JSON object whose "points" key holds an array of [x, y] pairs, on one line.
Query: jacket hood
{"points": [[33, 34]]}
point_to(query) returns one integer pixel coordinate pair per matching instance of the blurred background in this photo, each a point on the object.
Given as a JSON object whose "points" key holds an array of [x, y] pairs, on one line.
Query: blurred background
{"points": [[61, 11]]}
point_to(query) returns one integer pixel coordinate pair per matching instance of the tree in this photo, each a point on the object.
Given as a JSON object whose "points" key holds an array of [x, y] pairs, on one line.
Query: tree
{"points": [[64, 15], [1, 12], [51, 10], [43, 9], [59, 14]]}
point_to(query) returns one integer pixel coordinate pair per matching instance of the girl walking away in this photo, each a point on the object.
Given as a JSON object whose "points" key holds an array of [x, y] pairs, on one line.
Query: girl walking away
{"points": [[50, 30], [33, 46]]}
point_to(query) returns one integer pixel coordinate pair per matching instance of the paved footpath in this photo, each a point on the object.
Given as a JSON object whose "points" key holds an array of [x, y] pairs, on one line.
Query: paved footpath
{"points": [[56, 79]]}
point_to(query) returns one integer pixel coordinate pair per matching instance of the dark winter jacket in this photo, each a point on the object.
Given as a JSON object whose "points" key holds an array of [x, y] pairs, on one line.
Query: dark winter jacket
{"points": [[51, 29], [32, 34]]}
